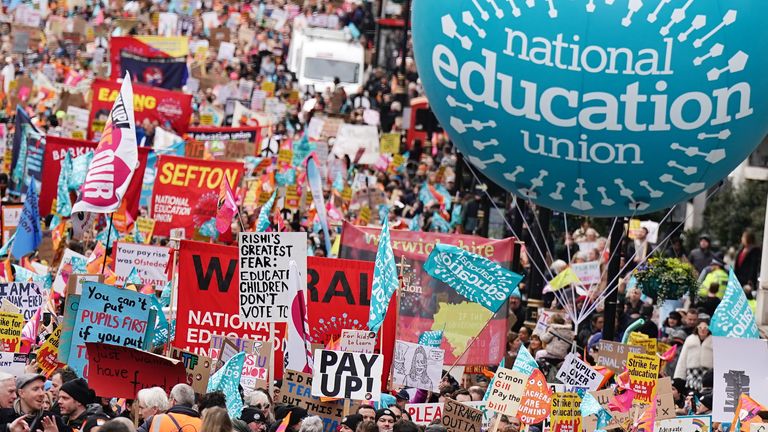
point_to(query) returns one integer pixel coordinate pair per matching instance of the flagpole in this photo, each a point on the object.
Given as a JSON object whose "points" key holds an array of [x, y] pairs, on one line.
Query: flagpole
{"points": [[106, 246]]}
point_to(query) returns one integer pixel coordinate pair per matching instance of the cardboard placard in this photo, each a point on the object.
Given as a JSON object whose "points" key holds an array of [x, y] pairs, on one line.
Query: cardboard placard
{"points": [[151, 262], [121, 372], [347, 375], [686, 424], [613, 355], [457, 417], [264, 272], [198, 368]]}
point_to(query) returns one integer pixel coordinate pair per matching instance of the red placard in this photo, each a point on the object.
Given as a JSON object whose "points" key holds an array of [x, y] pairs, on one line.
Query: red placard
{"points": [[186, 191], [149, 103], [56, 148], [116, 371]]}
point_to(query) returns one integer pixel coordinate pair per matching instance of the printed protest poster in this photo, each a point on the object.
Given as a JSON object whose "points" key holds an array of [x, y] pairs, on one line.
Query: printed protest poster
{"points": [[457, 417], [684, 424], [198, 368], [186, 191], [587, 272], [264, 263], [108, 315], [296, 391], [121, 372], [575, 372], [11, 325], [507, 391], [347, 375], [359, 341], [208, 302], [390, 143], [48, 353], [236, 142], [739, 368], [566, 413], [613, 355], [13, 363], [417, 366], [27, 296], [424, 414], [151, 263], [643, 376], [649, 345]]}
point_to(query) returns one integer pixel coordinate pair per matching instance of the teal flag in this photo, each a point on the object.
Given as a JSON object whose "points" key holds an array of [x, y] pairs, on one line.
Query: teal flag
{"points": [[80, 166], [524, 363], [226, 380], [478, 279], [160, 335], [133, 279], [733, 317], [385, 281], [490, 384], [262, 223], [63, 201], [7, 246], [431, 338], [107, 239]]}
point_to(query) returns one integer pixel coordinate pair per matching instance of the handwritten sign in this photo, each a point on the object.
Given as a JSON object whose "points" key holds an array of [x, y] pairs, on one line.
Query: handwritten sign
{"points": [[296, 390], [537, 400], [359, 341], [198, 368], [575, 372], [507, 391], [643, 376], [588, 272], [264, 263], [27, 296], [150, 262], [347, 375], [255, 373], [457, 417], [424, 414], [417, 366], [11, 325], [121, 372], [108, 315], [613, 355]]}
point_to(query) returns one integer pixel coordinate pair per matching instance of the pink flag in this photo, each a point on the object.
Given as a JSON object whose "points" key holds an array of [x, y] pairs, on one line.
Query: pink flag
{"points": [[646, 420], [115, 159], [227, 206], [298, 351]]}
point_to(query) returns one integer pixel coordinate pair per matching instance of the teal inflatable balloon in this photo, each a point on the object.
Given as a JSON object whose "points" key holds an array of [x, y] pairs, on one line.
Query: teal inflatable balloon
{"points": [[598, 107]]}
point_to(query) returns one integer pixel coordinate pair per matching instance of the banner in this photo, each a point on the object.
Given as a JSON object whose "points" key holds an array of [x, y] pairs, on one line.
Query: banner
{"points": [[575, 372], [427, 304], [478, 279], [296, 391], [147, 46], [613, 355], [186, 191], [417, 366], [11, 325], [208, 302], [228, 142], [169, 73], [27, 296], [423, 414], [684, 424], [643, 376], [151, 263], [739, 368], [108, 315], [264, 263], [56, 148], [457, 417], [117, 371], [507, 391], [198, 368], [347, 375], [149, 103]]}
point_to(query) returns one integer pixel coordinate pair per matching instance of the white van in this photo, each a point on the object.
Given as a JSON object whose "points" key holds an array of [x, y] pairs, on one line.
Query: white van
{"points": [[318, 55]]}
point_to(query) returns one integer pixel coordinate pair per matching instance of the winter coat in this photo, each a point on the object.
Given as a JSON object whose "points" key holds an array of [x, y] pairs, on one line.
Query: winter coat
{"points": [[559, 338], [695, 354]]}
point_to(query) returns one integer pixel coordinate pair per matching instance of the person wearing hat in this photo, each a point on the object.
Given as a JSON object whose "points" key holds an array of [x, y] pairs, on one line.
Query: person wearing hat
{"points": [[27, 412], [350, 422], [255, 419], [702, 256], [75, 398], [385, 419]]}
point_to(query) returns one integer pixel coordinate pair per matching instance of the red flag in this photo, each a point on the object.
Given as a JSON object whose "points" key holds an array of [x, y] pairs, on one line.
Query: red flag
{"points": [[226, 206]]}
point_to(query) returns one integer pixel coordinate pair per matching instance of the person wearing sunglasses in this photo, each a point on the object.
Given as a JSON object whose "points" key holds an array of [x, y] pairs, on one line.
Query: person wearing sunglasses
{"points": [[260, 401]]}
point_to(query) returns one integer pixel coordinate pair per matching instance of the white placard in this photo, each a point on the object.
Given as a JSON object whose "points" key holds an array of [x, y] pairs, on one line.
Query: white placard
{"points": [[417, 366], [424, 413], [351, 138], [226, 51], [13, 363], [264, 262], [27, 296], [359, 341], [346, 375], [575, 372], [150, 262], [738, 363], [684, 424], [587, 272]]}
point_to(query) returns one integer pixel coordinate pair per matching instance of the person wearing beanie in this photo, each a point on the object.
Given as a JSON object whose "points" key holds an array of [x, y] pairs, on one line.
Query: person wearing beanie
{"points": [[385, 419], [350, 422], [74, 398]]}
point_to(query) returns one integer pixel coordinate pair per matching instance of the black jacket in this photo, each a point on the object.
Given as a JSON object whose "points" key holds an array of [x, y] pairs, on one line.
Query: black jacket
{"points": [[748, 269], [8, 415]]}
